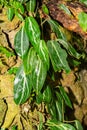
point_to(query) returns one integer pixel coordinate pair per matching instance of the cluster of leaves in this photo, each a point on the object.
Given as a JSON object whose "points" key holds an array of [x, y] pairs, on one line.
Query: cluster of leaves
{"points": [[41, 59]]}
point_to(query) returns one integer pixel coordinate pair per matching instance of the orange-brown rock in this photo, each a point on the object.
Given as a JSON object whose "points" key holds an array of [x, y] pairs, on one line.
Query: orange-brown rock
{"points": [[70, 22]]}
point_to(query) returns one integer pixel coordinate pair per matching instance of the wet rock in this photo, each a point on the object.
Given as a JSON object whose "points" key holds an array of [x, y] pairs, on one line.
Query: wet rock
{"points": [[85, 121], [6, 92], [78, 93], [84, 109], [75, 89], [83, 80], [85, 100], [3, 40], [68, 79], [78, 114]]}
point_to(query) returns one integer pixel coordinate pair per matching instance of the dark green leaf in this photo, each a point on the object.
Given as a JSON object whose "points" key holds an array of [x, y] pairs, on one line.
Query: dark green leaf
{"points": [[22, 89], [42, 50], [58, 56], [18, 6], [38, 75], [74, 62], [21, 42], [33, 30], [45, 9], [65, 96], [52, 110], [47, 94], [31, 4], [36, 69], [10, 13], [55, 108], [40, 126], [57, 125], [82, 17], [59, 110], [78, 125], [62, 39], [59, 106], [29, 61], [59, 98], [70, 49], [64, 126], [19, 15], [56, 28], [39, 98]]}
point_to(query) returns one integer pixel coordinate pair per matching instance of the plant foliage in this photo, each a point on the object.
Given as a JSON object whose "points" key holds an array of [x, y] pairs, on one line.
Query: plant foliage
{"points": [[39, 56]]}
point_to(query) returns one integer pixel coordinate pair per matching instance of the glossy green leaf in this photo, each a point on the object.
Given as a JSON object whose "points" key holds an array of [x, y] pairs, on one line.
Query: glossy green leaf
{"points": [[58, 56], [54, 128], [65, 96], [59, 110], [33, 30], [59, 106], [39, 98], [56, 28], [38, 75], [62, 39], [78, 125], [21, 42], [59, 98], [47, 95], [36, 69], [52, 110], [55, 109], [31, 4], [40, 126], [57, 125], [45, 9], [18, 6], [10, 13], [42, 50], [74, 62], [70, 49], [19, 15], [22, 89], [82, 18], [29, 61]]}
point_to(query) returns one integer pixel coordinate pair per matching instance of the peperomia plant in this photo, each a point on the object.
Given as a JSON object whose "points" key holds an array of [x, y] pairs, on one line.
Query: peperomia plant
{"points": [[41, 59]]}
